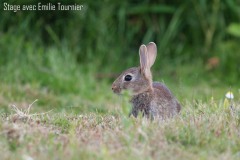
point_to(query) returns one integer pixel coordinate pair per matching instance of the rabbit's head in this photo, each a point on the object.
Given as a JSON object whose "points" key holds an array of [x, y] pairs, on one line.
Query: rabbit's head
{"points": [[138, 79]]}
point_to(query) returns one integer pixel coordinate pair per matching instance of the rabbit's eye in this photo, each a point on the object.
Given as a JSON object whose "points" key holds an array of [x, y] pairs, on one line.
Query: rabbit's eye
{"points": [[128, 78]]}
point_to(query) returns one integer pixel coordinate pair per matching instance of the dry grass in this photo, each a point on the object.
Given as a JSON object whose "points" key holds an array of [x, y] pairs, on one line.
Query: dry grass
{"points": [[202, 133]]}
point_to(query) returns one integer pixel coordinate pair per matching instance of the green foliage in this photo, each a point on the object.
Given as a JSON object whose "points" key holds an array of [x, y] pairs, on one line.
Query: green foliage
{"points": [[105, 32], [234, 29], [68, 59], [57, 57], [63, 123]]}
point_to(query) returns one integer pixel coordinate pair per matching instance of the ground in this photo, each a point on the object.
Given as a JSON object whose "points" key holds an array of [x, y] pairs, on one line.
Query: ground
{"points": [[205, 129]]}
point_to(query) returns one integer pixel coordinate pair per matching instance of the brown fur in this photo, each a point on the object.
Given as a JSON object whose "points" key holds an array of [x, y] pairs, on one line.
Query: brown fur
{"points": [[151, 99]]}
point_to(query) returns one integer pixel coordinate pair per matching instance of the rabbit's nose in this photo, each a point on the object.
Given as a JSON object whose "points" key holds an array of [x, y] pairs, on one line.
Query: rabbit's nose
{"points": [[113, 87], [116, 89]]}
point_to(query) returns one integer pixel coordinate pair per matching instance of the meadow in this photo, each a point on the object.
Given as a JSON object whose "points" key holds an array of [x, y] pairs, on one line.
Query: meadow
{"points": [[54, 128], [56, 71], [67, 113]]}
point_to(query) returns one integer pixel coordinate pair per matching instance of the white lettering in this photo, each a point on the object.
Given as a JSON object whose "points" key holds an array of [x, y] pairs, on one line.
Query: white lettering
{"points": [[46, 7], [74, 7], [29, 7], [9, 7]]}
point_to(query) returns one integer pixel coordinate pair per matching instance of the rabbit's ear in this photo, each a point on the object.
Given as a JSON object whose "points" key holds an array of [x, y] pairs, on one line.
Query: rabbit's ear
{"points": [[151, 53], [145, 69]]}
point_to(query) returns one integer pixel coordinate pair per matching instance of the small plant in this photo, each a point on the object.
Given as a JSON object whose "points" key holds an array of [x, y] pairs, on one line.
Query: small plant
{"points": [[63, 123], [228, 101], [24, 115]]}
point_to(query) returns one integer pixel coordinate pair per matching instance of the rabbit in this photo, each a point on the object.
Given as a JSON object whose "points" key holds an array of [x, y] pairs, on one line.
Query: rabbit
{"points": [[151, 99]]}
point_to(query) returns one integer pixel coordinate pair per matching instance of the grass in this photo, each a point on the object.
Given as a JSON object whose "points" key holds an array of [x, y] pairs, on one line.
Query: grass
{"points": [[68, 60], [65, 125], [76, 115]]}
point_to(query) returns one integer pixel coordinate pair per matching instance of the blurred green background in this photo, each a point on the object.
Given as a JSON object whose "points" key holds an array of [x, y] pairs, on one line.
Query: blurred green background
{"points": [[68, 59]]}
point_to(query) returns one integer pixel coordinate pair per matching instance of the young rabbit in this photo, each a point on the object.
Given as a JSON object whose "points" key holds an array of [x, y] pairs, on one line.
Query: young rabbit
{"points": [[152, 99]]}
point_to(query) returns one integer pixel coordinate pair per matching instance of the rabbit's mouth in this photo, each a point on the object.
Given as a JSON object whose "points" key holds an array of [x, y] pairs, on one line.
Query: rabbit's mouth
{"points": [[116, 90], [123, 91]]}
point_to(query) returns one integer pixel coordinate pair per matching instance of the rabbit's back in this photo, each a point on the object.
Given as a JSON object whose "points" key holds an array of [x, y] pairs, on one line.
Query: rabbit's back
{"points": [[163, 104], [157, 104]]}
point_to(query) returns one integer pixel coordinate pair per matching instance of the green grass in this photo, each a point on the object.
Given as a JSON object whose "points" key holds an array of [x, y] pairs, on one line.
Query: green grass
{"points": [[65, 63], [76, 115], [75, 121], [205, 131]]}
